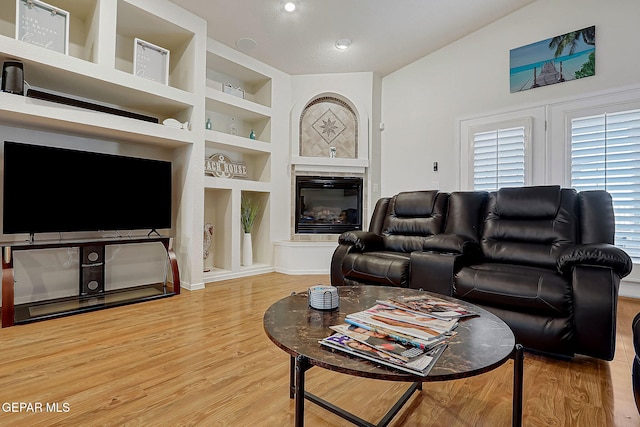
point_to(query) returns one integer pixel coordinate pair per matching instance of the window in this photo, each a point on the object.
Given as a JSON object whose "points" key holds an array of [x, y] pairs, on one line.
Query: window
{"points": [[498, 158], [605, 154], [499, 150]]}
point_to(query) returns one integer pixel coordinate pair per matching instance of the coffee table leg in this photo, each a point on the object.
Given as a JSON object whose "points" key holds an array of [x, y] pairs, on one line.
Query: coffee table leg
{"points": [[518, 374], [301, 366], [292, 378]]}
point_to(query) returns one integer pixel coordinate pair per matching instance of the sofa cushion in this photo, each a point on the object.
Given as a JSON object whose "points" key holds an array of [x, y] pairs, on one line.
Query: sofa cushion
{"points": [[383, 267], [533, 232], [539, 332], [414, 203], [597, 220], [528, 202], [517, 288], [413, 216]]}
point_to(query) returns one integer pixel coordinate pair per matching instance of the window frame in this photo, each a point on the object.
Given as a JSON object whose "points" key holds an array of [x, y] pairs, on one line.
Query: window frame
{"points": [[560, 116], [532, 120], [605, 111]]}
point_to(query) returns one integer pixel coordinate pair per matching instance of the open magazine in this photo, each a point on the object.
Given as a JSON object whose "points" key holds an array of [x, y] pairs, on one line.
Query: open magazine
{"points": [[418, 365], [429, 306]]}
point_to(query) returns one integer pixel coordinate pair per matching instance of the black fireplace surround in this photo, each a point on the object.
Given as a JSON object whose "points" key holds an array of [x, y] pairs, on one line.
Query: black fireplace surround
{"points": [[328, 205]]}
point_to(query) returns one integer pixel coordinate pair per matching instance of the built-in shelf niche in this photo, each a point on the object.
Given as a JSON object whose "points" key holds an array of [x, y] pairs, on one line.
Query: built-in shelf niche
{"points": [[224, 141], [258, 163], [260, 234], [82, 75], [83, 25], [218, 211], [179, 41], [83, 86], [228, 112], [221, 71]]}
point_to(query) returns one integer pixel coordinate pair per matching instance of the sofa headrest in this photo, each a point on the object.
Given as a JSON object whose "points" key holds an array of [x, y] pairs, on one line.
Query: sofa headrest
{"points": [[415, 203], [528, 202]]}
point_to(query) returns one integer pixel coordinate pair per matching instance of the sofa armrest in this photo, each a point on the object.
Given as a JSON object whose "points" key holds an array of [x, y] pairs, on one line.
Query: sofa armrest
{"points": [[595, 307], [362, 241], [451, 243], [596, 254]]}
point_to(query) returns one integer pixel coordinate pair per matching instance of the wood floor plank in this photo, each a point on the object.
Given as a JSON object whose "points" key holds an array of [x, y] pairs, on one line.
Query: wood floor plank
{"points": [[202, 358]]}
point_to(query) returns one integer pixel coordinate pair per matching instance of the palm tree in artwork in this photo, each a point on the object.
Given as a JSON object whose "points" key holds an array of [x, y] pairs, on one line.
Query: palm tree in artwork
{"points": [[571, 39]]}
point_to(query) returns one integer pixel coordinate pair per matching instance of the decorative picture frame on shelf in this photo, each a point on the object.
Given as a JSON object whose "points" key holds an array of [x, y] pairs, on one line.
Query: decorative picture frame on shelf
{"points": [[43, 25], [234, 91], [150, 62]]}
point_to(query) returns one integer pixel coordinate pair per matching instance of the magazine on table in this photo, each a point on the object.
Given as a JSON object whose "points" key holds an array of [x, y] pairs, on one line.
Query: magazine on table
{"points": [[430, 306], [372, 318], [401, 337], [435, 324], [420, 365], [382, 342]]}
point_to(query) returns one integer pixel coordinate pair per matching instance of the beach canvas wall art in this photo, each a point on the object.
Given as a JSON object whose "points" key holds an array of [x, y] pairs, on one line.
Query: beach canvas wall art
{"points": [[558, 59]]}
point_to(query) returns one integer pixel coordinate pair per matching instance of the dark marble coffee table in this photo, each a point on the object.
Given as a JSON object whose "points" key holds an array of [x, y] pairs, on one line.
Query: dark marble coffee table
{"points": [[482, 343]]}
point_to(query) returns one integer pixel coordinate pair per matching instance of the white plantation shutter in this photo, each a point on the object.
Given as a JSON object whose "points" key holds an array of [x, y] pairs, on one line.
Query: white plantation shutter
{"points": [[605, 155], [499, 158]]}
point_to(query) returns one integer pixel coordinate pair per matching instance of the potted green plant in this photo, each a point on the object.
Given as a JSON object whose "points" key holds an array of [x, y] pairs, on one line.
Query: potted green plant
{"points": [[249, 209]]}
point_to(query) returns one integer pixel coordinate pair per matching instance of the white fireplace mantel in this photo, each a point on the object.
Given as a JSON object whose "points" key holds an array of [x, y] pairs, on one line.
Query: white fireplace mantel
{"points": [[328, 165]]}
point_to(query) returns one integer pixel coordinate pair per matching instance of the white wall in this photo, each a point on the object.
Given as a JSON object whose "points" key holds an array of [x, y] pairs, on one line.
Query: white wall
{"points": [[423, 102]]}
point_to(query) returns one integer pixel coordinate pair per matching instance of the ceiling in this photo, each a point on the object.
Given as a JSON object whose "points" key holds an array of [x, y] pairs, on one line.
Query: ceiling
{"points": [[386, 34]]}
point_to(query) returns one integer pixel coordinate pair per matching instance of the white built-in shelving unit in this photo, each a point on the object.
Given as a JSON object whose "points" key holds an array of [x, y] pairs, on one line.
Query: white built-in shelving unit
{"points": [[99, 68], [233, 118]]}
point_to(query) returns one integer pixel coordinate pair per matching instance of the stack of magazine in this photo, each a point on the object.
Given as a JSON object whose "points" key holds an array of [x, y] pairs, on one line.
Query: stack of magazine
{"points": [[407, 333]]}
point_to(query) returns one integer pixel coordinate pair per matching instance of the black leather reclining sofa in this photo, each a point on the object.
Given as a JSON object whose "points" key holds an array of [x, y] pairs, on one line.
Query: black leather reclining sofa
{"points": [[541, 258]]}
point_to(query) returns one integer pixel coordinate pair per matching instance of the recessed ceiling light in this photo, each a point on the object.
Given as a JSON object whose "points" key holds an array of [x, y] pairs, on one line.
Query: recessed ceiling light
{"points": [[343, 44], [289, 6], [246, 44]]}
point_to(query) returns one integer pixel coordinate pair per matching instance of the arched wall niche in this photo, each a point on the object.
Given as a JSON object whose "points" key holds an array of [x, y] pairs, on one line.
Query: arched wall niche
{"points": [[358, 155], [328, 127]]}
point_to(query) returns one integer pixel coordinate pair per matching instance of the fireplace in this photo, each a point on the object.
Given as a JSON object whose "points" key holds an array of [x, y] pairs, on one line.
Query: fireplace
{"points": [[328, 205]]}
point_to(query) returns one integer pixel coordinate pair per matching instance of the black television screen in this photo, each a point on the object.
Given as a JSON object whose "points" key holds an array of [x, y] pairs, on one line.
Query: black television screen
{"points": [[48, 189]]}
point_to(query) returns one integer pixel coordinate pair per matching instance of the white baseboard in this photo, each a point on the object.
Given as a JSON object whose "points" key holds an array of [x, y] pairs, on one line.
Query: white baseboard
{"points": [[292, 272], [629, 288]]}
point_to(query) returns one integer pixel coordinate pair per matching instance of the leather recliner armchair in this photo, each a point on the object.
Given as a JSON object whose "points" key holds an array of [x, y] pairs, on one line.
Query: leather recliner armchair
{"points": [[399, 226]]}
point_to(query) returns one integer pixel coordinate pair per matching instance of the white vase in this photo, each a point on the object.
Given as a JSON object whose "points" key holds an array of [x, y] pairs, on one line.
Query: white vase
{"points": [[247, 250]]}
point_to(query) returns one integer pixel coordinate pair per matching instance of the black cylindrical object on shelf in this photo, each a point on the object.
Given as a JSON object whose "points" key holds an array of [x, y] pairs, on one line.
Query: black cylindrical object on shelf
{"points": [[13, 77]]}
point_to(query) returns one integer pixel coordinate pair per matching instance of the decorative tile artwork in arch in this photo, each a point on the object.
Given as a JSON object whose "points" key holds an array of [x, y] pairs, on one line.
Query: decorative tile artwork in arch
{"points": [[325, 123]]}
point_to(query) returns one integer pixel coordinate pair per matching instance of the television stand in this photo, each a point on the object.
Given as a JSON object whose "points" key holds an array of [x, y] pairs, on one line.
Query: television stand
{"points": [[91, 293]]}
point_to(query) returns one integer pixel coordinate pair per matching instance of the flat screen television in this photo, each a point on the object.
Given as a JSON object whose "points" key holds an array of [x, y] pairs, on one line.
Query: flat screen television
{"points": [[49, 189]]}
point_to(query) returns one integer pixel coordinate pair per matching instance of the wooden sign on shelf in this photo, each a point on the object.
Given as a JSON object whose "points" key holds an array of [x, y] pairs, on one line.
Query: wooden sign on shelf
{"points": [[221, 166]]}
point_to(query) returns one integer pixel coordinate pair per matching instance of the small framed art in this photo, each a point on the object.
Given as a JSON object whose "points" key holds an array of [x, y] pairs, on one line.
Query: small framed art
{"points": [[41, 24], [150, 61]]}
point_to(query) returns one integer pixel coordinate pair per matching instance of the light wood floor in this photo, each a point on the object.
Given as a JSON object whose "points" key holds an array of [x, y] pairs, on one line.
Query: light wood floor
{"points": [[202, 358]]}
